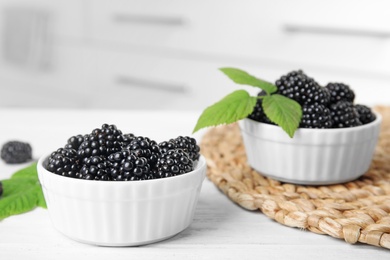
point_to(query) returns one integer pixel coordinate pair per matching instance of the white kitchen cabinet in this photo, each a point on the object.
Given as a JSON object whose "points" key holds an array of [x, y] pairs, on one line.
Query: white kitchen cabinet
{"points": [[166, 54]]}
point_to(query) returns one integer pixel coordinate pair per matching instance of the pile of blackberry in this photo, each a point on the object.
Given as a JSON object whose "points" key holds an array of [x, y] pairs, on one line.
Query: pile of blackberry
{"points": [[331, 106], [106, 154]]}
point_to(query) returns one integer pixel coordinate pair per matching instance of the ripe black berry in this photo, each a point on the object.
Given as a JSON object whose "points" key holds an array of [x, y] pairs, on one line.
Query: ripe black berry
{"points": [[365, 114], [303, 89], [316, 116], [95, 168], [16, 152], [127, 166], [102, 141], [258, 112], [74, 142], [185, 143], [344, 114], [340, 92], [64, 162], [172, 163], [144, 147]]}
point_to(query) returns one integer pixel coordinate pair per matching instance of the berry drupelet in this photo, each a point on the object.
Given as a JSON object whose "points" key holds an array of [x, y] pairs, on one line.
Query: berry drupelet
{"points": [[340, 92], [365, 114], [316, 116], [16, 152], [303, 89], [344, 114]]}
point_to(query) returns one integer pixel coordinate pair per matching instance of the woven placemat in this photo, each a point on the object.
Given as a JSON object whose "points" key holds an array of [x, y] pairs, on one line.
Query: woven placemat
{"points": [[357, 211]]}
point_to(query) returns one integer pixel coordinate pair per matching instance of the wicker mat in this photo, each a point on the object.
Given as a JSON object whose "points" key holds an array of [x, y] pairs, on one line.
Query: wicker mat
{"points": [[357, 211]]}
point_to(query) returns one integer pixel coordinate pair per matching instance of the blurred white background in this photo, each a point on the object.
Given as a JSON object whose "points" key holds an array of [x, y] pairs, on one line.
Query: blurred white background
{"points": [[165, 54]]}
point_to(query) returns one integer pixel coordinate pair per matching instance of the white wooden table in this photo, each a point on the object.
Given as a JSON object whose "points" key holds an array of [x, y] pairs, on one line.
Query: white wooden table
{"points": [[220, 230]]}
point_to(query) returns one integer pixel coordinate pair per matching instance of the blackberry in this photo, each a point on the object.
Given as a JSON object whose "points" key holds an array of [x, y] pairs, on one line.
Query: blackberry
{"points": [[303, 89], [74, 142], [344, 114], [316, 116], [95, 168], [172, 163], [185, 143], [14, 152], [64, 162], [258, 112], [1, 188], [365, 114], [127, 138], [127, 166], [340, 92], [144, 147], [102, 141]]}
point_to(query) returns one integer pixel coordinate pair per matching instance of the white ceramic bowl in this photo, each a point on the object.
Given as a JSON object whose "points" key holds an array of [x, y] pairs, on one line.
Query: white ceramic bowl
{"points": [[313, 156], [128, 213]]}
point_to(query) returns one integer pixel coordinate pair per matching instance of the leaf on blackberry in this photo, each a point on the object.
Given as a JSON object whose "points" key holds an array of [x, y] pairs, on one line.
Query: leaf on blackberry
{"points": [[283, 111], [242, 77], [235, 106]]}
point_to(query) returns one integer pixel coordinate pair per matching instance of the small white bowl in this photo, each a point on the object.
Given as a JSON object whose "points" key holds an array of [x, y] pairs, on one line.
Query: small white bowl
{"points": [[312, 156], [128, 213]]}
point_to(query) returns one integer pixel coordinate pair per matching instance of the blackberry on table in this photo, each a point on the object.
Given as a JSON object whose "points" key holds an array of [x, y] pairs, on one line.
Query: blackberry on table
{"points": [[340, 92], [316, 116], [14, 152], [258, 111], [303, 89], [64, 162], [95, 168], [365, 114], [172, 163], [344, 114], [186, 143]]}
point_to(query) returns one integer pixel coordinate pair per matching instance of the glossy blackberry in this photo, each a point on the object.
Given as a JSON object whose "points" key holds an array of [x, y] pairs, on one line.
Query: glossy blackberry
{"points": [[64, 162], [102, 141], [344, 114], [340, 92], [127, 166], [303, 89], [144, 147], [127, 138], [365, 114], [186, 143], [1, 188], [258, 112], [74, 142], [172, 163], [316, 116], [16, 152], [95, 168]]}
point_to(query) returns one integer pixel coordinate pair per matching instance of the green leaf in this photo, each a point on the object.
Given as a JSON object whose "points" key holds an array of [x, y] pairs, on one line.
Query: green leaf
{"points": [[21, 193], [242, 77], [28, 172], [283, 111], [231, 108]]}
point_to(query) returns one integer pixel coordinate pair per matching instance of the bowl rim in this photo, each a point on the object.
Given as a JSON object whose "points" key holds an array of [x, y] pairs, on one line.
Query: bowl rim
{"points": [[200, 164], [377, 120]]}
